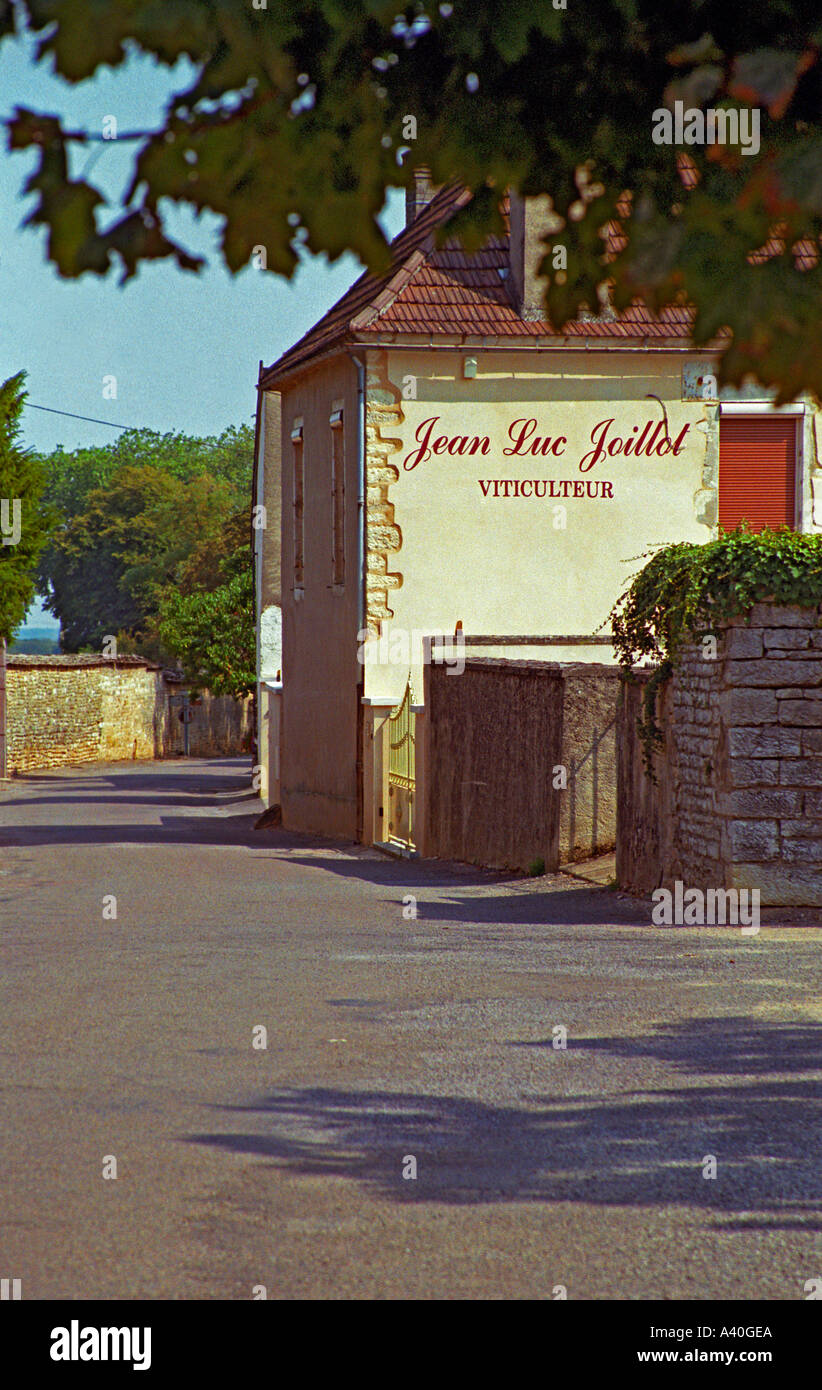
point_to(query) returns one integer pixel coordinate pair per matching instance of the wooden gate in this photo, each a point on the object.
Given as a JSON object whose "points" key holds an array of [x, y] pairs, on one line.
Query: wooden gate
{"points": [[402, 772]]}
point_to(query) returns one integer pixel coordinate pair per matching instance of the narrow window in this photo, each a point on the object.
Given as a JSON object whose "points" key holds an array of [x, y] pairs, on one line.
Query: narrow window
{"points": [[337, 498], [299, 510]]}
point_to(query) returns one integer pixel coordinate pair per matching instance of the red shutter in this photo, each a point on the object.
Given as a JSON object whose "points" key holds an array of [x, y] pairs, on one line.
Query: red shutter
{"points": [[757, 471]]}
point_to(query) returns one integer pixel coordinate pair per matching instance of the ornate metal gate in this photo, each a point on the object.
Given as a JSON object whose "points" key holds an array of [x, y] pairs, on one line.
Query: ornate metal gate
{"points": [[402, 772]]}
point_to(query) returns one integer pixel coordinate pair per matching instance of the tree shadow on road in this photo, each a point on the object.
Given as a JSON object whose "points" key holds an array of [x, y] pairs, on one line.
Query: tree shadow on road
{"points": [[627, 1148], [735, 1045]]}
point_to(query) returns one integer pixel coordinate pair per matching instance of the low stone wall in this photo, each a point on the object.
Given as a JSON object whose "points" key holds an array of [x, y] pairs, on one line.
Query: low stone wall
{"points": [[739, 798], [66, 710], [495, 738]]}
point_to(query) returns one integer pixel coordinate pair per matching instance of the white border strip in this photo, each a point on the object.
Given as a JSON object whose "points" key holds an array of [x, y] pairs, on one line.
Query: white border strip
{"points": [[760, 408]]}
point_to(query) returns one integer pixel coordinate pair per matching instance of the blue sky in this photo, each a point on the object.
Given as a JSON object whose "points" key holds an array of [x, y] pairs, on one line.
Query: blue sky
{"points": [[184, 348]]}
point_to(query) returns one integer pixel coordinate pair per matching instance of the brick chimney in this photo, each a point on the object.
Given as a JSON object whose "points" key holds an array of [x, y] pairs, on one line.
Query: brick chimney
{"points": [[530, 219]]}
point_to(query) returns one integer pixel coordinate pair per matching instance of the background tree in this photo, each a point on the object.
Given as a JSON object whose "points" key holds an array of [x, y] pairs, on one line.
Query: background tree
{"points": [[212, 632], [217, 556], [22, 480], [134, 516], [294, 125], [72, 475]]}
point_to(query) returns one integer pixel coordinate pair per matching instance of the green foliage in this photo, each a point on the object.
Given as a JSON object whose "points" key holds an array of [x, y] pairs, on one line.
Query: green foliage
{"points": [[22, 479], [291, 128], [687, 591], [217, 557], [108, 565], [212, 634], [153, 548], [146, 511], [536, 868], [71, 476]]}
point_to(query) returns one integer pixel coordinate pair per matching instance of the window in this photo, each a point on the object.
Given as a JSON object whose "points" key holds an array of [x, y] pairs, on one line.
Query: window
{"points": [[337, 498], [757, 470], [299, 507]]}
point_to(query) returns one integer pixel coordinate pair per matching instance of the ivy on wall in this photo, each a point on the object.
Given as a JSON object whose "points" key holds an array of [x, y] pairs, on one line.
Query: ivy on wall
{"points": [[686, 591]]}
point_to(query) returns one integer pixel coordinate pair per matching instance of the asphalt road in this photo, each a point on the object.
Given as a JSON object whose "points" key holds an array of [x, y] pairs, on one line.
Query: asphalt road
{"points": [[389, 1037]]}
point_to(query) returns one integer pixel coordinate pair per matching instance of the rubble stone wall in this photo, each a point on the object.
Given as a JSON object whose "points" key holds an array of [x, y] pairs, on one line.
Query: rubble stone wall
{"points": [[65, 710]]}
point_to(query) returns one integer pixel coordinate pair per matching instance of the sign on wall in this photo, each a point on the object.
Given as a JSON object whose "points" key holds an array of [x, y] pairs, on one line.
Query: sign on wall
{"points": [[523, 440]]}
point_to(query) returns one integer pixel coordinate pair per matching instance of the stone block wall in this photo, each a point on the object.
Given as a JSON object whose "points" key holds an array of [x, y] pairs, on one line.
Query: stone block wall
{"points": [[695, 732], [738, 803], [770, 754]]}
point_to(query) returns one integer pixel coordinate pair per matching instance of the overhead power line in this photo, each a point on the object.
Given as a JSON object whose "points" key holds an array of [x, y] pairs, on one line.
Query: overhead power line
{"points": [[29, 405]]}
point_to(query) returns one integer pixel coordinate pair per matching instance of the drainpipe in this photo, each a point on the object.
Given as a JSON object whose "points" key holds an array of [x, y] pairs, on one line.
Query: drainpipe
{"points": [[360, 366], [258, 551]]}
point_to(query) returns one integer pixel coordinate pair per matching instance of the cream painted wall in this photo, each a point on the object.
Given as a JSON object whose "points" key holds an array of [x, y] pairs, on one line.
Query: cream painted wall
{"points": [[504, 565], [810, 436]]}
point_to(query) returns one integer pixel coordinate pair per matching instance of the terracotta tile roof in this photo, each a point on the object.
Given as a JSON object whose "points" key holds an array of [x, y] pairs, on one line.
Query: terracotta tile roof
{"points": [[805, 252], [445, 290], [370, 292]]}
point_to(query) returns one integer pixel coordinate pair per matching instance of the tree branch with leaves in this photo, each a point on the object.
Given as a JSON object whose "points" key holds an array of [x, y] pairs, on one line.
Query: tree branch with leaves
{"points": [[292, 130]]}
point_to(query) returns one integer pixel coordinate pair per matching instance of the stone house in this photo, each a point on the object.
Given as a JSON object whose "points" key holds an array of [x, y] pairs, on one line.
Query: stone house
{"points": [[435, 458]]}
